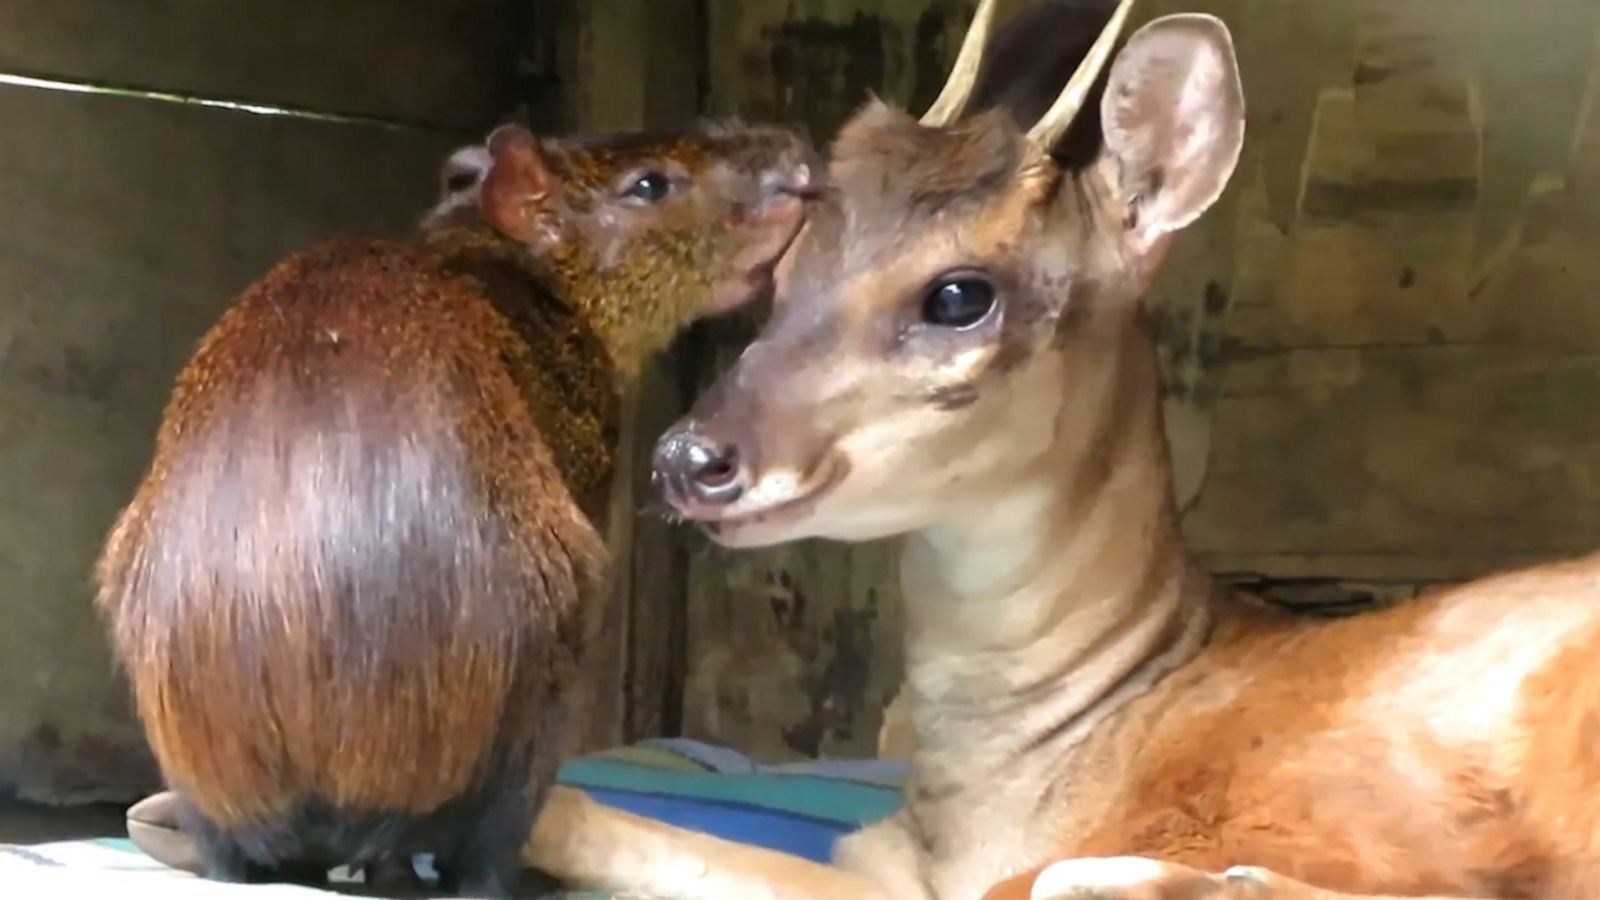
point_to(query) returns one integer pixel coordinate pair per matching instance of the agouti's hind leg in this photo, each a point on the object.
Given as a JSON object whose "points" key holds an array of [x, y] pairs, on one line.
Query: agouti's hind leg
{"points": [[394, 874], [488, 861], [219, 854], [306, 874]]}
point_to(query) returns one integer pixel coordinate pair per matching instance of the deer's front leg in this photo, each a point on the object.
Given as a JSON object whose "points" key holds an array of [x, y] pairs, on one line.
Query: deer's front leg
{"points": [[590, 845], [1139, 878], [1134, 878]]}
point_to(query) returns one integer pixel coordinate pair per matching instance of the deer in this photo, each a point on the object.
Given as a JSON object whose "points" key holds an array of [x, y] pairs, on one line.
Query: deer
{"points": [[959, 357], [356, 590]]}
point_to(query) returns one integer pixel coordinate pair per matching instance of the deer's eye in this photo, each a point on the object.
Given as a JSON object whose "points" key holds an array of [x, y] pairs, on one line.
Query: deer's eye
{"points": [[959, 301], [648, 187]]}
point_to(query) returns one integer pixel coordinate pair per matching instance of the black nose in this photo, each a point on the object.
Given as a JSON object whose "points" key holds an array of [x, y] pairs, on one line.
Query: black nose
{"points": [[694, 466]]}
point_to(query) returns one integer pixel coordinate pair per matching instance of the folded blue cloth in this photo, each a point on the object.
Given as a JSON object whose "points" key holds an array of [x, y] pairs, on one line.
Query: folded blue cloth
{"points": [[797, 808]]}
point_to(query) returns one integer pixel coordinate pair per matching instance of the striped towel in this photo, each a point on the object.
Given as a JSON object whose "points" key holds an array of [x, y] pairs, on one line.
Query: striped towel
{"points": [[797, 808]]}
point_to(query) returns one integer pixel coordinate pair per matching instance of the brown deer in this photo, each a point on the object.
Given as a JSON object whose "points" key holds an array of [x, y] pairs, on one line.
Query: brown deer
{"points": [[958, 355], [354, 590]]}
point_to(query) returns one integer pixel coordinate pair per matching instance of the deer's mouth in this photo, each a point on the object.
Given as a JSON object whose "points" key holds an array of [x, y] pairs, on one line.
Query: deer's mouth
{"points": [[770, 521]]}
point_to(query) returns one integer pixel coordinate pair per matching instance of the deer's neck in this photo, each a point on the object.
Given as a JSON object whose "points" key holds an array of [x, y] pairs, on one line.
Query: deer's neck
{"points": [[1033, 618]]}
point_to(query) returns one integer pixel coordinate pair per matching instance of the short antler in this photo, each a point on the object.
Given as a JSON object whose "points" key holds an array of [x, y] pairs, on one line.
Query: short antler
{"points": [[1055, 122], [964, 74]]}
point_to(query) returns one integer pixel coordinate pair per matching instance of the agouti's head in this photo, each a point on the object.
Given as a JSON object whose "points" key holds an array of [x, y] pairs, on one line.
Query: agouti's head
{"points": [[646, 232]]}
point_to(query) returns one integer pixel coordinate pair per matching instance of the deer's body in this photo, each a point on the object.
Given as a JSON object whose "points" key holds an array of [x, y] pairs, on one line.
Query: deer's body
{"points": [[958, 356], [1429, 749], [1439, 747], [354, 592]]}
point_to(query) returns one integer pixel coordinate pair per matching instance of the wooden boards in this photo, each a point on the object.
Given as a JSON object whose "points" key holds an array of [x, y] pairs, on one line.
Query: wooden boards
{"points": [[126, 226], [443, 63]]}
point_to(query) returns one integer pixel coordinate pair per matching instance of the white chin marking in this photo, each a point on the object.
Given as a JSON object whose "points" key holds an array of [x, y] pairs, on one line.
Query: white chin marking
{"points": [[1067, 876], [775, 487]]}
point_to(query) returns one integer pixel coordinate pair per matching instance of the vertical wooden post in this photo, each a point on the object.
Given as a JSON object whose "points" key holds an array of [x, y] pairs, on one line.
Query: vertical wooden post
{"points": [[638, 65]]}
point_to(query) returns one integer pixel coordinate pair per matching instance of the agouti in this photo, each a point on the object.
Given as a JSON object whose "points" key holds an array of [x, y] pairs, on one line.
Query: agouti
{"points": [[349, 591]]}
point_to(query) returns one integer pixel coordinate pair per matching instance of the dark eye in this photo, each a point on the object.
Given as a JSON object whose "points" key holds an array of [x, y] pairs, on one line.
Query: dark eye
{"points": [[460, 181], [651, 187], [960, 301]]}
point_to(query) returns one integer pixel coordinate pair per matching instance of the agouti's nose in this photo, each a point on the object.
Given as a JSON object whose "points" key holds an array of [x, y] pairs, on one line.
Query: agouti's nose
{"points": [[696, 467]]}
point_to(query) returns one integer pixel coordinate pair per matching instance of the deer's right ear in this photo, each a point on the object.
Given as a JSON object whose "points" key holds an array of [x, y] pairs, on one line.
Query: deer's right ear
{"points": [[1173, 118], [517, 189]]}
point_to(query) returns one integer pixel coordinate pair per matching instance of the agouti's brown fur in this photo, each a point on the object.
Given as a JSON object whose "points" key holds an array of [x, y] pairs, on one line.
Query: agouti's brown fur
{"points": [[348, 591]]}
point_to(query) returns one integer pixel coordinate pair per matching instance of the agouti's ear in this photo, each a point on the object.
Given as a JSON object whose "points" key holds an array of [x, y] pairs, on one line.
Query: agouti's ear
{"points": [[518, 186]]}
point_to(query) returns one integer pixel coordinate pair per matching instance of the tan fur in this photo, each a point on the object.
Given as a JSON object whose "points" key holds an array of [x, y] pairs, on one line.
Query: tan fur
{"points": [[1078, 690]]}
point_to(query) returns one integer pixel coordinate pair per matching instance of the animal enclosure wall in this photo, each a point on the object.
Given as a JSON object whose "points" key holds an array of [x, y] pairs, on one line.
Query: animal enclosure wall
{"points": [[1380, 348]]}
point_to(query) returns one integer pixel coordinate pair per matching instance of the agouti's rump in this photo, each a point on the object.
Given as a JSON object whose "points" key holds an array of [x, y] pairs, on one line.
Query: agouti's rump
{"points": [[351, 591]]}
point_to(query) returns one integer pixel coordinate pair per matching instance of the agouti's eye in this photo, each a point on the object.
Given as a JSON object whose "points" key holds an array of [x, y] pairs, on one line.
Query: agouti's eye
{"points": [[649, 187], [958, 301]]}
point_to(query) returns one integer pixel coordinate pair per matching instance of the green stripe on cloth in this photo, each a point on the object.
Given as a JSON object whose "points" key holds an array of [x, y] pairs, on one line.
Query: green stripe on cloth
{"points": [[834, 800], [653, 757]]}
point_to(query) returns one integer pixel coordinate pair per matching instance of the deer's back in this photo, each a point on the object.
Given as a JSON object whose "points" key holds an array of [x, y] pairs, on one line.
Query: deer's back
{"points": [[1446, 745]]}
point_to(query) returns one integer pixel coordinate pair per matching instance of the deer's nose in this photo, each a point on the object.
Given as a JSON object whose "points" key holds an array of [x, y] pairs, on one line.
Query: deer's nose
{"points": [[698, 468]]}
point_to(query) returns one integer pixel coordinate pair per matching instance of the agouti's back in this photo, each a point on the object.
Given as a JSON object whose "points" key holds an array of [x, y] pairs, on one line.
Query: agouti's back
{"points": [[349, 592]]}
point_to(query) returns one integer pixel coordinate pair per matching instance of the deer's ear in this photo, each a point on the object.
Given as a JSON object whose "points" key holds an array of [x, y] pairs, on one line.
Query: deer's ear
{"points": [[1173, 118], [517, 190]]}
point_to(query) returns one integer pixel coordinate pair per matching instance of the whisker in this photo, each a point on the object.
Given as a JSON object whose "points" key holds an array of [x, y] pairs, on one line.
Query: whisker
{"points": [[662, 511]]}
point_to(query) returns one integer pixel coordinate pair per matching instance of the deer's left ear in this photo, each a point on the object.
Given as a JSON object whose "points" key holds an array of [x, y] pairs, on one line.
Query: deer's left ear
{"points": [[1173, 116]]}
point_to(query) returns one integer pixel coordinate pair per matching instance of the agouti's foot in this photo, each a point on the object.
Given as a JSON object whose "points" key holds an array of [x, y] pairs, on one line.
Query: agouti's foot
{"points": [[153, 827]]}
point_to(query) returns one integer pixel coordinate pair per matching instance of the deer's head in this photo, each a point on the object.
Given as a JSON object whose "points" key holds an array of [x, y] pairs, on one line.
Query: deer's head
{"points": [[954, 313]]}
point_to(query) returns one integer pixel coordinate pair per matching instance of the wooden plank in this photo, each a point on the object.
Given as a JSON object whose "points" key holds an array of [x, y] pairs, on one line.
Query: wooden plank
{"points": [[1586, 137], [128, 226], [446, 63], [638, 66], [1388, 410], [1478, 456]]}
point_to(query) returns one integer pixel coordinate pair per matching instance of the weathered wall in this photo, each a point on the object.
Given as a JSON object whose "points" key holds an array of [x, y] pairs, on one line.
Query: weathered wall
{"points": [[126, 225], [1380, 347]]}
